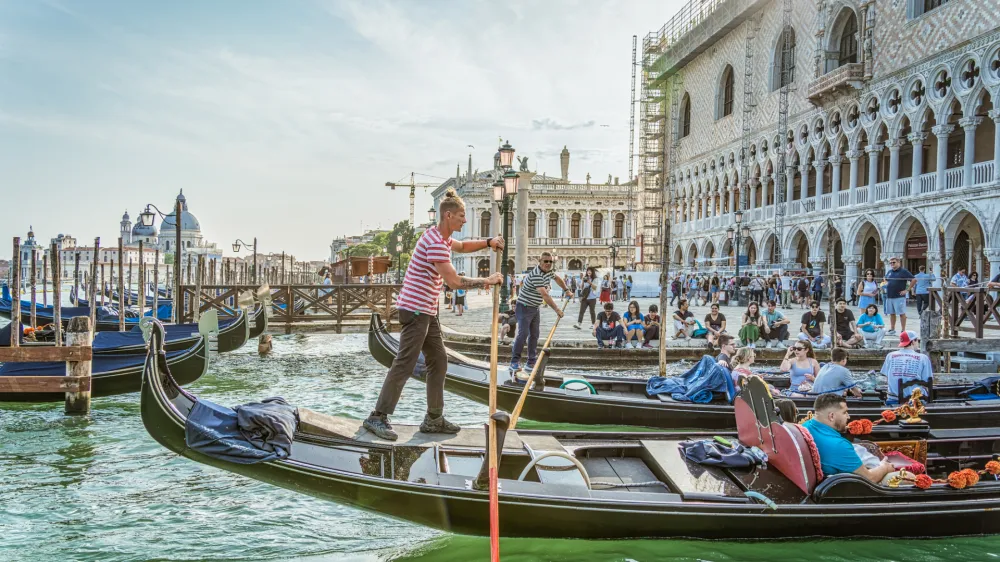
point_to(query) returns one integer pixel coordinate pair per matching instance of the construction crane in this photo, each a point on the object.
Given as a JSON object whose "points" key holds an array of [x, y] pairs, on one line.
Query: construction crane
{"points": [[413, 191]]}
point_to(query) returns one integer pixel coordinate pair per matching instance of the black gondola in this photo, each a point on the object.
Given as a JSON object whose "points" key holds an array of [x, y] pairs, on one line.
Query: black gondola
{"points": [[111, 374], [623, 401], [603, 485], [259, 322]]}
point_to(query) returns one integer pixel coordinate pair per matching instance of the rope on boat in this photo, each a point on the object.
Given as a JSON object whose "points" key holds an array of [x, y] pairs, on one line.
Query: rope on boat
{"points": [[762, 498], [629, 484]]}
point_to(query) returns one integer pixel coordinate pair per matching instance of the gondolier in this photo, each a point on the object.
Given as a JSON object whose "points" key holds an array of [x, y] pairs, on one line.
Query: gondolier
{"points": [[420, 330], [534, 289]]}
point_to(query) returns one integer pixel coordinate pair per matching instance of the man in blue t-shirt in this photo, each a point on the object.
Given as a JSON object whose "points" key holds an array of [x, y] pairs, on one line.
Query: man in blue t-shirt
{"points": [[921, 289], [897, 285], [836, 454]]}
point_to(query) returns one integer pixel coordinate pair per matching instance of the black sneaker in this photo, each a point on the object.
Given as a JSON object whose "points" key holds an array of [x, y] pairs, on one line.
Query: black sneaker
{"points": [[438, 425], [380, 426]]}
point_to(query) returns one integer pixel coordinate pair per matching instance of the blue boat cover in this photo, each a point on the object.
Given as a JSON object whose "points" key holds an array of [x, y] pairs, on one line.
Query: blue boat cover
{"points": [[696, 385], [104, 341], [5, 336], [164, 312], [213, 430], [99, 364], [984, 389]]}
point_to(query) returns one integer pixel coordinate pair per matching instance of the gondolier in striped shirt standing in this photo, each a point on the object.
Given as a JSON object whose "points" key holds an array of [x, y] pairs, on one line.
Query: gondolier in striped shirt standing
{"points": [[420, 330], [534, 289]]}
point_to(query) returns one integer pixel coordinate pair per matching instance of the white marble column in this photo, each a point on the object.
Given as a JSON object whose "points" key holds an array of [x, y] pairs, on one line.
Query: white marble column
{"points": [[850, 272], [520, 234], [917, 142], [969, 124], [835, 161], [790, 184], [942, 132], [732, 201], [804, 184], [854, 156], [893, 145], [819, 165], [995, 115], [752, 195], [874, 151]]}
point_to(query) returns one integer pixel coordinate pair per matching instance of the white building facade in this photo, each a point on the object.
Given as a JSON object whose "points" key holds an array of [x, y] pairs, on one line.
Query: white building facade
{"points": [[577, 222], [891, 133]]}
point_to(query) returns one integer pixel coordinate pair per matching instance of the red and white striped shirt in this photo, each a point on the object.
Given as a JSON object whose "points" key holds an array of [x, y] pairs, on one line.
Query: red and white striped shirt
{"points": [[422, 284]]}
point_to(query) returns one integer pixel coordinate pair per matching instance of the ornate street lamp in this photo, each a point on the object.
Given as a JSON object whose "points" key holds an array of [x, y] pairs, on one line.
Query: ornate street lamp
{"points": [[432, 214], [239, 244], [506, 155], [613, 248], [399, 261]]}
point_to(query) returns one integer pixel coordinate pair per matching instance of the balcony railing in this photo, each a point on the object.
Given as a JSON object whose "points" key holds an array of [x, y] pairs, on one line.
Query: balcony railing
{"points": [[953, 178], [826, 202], [843, 198], [850, 75], [861, 194], [796, 208], [881, 191], [982, 172], [551, 242], [928, 183], [904, 187]]}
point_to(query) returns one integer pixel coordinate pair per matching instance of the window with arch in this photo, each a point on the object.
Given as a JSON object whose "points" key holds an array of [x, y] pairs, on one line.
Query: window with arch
{"points": [[598, 225], [685, 123], [917, 8], [726, 93], [784, 59], [574, 226], [532, 225], [620, 225], [849, 41], [553, 225], [484, 223]]}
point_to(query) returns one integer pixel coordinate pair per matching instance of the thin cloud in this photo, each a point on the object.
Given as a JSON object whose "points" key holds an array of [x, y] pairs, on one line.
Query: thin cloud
{"points": [[552, 125]]}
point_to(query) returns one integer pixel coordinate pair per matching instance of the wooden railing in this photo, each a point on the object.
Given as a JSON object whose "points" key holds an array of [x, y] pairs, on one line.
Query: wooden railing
{"points": [[340, 305], [978, 306]]}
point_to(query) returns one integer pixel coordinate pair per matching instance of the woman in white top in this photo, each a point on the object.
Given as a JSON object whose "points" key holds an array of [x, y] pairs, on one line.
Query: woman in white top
{"points": [[867, 289]]}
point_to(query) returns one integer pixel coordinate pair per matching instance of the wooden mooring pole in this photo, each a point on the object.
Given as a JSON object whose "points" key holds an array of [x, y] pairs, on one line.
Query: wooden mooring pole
{"points": [[56, 292], [156, 282], [121, 285], [34, 295], [93, 285], [141, 281], [45, 280], [78, 335], [76, 279], [15, 295]]}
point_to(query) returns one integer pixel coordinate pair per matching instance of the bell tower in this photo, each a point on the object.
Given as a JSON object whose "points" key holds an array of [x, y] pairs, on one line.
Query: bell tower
{"points": [[126, 229]]}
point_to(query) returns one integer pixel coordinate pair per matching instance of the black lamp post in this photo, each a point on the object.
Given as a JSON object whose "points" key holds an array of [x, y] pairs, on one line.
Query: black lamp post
{"points": [[146, 218], [737, 235], [503, 193], [613, 248], [239, 244]]}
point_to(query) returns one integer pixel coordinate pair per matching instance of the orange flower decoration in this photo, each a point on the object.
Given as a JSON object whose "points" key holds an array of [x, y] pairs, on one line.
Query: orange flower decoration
{"points": [[971, 477], [923, 481], [889, 416], [860, 427], [993, 467], [957, 480]]}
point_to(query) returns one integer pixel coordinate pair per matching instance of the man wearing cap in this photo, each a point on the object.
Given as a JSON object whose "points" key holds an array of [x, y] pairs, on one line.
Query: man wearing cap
{"points": [[906, 364]]}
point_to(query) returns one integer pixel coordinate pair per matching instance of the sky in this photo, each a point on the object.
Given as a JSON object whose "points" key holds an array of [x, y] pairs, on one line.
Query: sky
{"points": [[284, 119]]}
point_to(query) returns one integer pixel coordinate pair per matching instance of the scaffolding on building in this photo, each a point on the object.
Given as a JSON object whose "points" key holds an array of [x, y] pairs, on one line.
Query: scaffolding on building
{"points": [[631, 234], [782, 141], [652, 152], [753, 27]]}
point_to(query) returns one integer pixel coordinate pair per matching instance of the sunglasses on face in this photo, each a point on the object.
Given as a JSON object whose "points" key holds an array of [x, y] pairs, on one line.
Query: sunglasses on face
{"points": [[546, 261], [798, 349]]}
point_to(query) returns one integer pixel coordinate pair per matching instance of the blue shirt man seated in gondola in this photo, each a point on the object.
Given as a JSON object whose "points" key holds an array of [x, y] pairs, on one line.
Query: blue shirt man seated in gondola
{"points": [[837, 454]]}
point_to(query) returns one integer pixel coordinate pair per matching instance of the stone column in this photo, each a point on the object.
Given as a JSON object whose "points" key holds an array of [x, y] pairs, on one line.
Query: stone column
{"points": [[790, 187], [942, 132], [995, 115], [917, 142], [495, 224], [818, 265], [853, 156], [752, 195], [819, 165], [804, 185], [850, 273], [520, 233], [969, 124], [873, 150], [893, 145], [835, 161], [993, 259], [732, 201]]}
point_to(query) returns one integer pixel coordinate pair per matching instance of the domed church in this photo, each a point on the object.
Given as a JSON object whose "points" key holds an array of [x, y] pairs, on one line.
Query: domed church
{"points": [[191, 236]]}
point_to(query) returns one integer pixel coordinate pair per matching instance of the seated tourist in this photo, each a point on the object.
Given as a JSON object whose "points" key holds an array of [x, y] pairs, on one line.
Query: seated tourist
{"points": [[835, 378], [684, 322], [906, 364], [847, 330], [811, 329], [872, 327], [609, 327], [727, 347], [652, 321], [775, 325], [715, 323], [787, 410], [634, 324], [802, 367], [836, 454], [741, 361], [508, 322]]}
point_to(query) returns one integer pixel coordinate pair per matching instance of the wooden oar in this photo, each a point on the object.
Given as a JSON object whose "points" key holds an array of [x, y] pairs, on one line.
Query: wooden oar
{"points": [[527, 385], [492, 442]]}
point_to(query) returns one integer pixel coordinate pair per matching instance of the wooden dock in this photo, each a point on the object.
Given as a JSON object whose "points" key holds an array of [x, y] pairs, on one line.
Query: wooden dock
{"points": [[310, 308]]}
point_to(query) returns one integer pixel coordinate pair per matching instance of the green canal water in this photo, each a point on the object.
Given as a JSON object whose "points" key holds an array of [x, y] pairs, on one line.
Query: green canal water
{"points": [[99, 488]]}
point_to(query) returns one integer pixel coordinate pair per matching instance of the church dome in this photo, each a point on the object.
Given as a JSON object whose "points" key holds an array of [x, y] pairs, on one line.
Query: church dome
{"points": [[125, 217], [188, 221], [145, 231]]}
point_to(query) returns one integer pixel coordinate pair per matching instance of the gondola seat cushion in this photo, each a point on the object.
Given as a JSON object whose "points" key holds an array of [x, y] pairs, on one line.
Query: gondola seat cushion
{"points": [[813, 451]]}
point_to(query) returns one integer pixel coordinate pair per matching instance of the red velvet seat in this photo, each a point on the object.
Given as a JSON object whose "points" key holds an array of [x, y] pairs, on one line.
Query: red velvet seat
{"points": [[789, 448]]}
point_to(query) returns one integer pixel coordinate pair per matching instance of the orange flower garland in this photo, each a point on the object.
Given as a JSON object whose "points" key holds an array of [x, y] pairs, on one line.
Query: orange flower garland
{"points": [[889, 416], [923, 481], [957, 480], [993, 467], [860, 427], [971, 477]]}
